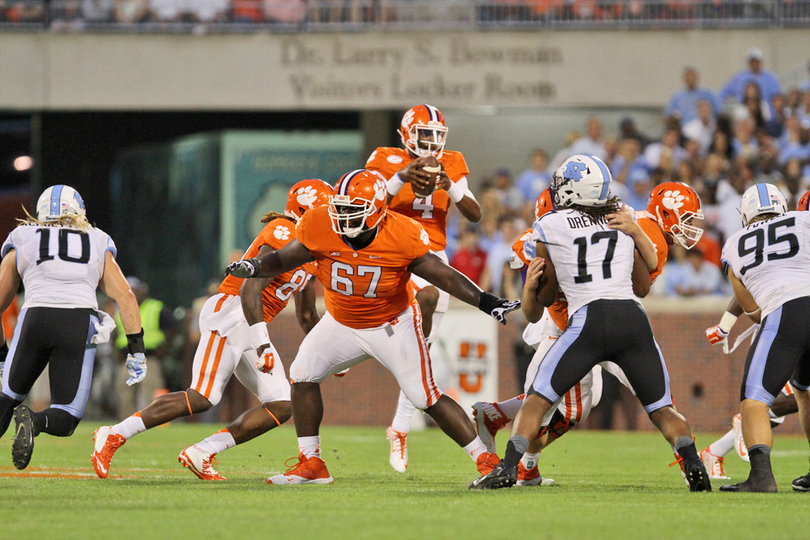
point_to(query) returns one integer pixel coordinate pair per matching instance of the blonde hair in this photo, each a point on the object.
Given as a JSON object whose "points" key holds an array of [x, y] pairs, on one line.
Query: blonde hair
{"points": [[68, 220], [270, 216]]}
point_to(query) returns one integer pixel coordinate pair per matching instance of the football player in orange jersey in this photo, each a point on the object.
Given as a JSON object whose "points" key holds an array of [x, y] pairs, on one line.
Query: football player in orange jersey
{"points": [[365, 258], [785, 403], [668, 219], [423, 132], [232, 346]]}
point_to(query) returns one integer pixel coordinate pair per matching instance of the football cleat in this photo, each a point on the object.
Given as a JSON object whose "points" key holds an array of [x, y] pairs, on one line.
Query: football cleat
{"points": [[759, 481], [200, 463], [502, 476], [802, 483], [486, 462], [489, 419], [23, 446], [107, 443], [532, 477], [713, 464], [306, 471], [399, 449], [739, 442], [696, 475]]}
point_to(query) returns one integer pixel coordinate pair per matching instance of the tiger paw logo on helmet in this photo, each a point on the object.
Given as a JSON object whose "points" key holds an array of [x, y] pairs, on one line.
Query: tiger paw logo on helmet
{"points": [[673, 200], [281, 232], [380, 190], [306, 196]]}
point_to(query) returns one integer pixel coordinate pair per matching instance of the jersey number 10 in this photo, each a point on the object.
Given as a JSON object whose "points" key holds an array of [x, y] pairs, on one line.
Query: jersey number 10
{"points": [[45, 250]]}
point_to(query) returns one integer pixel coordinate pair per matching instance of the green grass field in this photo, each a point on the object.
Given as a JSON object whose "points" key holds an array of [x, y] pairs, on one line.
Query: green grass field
{"points": [[610, 485]]}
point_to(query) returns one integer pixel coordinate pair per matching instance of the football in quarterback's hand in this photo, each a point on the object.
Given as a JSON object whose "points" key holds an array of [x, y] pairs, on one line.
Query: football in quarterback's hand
{"points": [[431, 166]]}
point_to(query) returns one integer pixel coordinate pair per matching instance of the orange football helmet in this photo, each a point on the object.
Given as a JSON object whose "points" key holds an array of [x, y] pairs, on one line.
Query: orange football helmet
{"points": [[305, 195], [423, 131], [675, 205], [358, 202], [544, 204], [804, 202]]}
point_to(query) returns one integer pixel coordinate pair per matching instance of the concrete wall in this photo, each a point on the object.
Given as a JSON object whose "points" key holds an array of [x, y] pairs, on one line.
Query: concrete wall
{"points": [[65, 71]]}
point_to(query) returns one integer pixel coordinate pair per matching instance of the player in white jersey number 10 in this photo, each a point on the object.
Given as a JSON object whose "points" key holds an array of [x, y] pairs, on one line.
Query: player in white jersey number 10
{"points": [[601, 272], [61, 259]]}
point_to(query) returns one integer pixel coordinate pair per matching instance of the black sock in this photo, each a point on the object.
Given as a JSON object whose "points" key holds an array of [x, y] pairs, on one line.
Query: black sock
{"points": [[7, 406], [760, 456], [56, 422], [685, 447], [514, 450]]}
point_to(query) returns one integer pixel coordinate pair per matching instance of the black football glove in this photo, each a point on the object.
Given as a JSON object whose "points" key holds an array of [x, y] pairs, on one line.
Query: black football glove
{"points": [[496, 307], [246, 268]]}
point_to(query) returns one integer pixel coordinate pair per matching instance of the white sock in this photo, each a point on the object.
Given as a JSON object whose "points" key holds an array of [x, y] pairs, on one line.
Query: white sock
{"points": [[529, 460], [402, 418], [723, 445], [216, 443], [310, 446], [475, 449], [130, 427], [510, 407]]}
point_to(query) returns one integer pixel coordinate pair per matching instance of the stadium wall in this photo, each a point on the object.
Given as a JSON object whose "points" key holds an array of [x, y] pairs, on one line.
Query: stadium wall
{"points": [[705, 383], [374, 70]]}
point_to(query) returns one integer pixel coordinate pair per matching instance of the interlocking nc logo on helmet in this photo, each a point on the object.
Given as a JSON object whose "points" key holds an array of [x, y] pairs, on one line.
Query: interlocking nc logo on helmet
{"points": [[575, 171]]}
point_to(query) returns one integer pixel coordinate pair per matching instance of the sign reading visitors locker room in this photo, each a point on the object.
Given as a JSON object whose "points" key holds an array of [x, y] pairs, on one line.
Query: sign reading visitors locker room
{"points": [[377, 70], [465, 357]]}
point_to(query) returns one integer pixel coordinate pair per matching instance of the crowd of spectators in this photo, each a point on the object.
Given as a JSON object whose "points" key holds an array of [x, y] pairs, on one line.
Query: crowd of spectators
{"points": [[720, 143], [286, 12]]}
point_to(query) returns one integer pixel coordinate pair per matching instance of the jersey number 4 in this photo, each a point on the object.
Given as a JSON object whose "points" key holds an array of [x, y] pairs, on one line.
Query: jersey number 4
{"points": [[64, 234], [582, 253], [759, 244]]}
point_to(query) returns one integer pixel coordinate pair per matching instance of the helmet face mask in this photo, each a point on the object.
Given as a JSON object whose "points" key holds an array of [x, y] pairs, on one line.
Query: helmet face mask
{"points": [[760, 200], [581, 179], [58, 201], [358, 203], [423, 131]]}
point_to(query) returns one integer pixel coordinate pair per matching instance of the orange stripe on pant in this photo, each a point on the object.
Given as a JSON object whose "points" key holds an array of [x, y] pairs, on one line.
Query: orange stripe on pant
{"points": [[213, 375], [427, 372], [205, 361], [578, 391]]}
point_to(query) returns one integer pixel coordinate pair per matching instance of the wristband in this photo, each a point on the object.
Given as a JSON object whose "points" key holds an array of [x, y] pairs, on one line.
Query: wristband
{"points": [[487, 302], [727, 322], [395, 184], [455, 191], [259, 335], [135, 343]]}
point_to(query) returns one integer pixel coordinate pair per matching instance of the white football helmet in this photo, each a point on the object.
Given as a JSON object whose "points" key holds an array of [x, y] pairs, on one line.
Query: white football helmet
{"points": [[761, 199], [57, 201], [581, 179]]}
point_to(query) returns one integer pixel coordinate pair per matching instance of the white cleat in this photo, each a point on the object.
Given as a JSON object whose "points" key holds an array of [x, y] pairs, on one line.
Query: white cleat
{"points": [[489, 419], [739, 442], [107, 443], [200, 463], [398, 458], [713, 464]]}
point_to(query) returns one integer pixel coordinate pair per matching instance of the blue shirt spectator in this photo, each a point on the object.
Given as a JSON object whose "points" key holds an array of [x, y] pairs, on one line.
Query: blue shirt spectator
{"points": [[685, 103], [694, 276], [533, 181], [768, 83]]}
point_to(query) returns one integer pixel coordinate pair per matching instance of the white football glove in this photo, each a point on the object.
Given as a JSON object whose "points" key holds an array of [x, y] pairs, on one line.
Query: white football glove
{"points": [[718, 336], [136, 366], [245, 268], [260, 340]]}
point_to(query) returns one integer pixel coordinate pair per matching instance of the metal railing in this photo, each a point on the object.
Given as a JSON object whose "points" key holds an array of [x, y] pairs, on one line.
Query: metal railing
{"points": [[364, 15]]}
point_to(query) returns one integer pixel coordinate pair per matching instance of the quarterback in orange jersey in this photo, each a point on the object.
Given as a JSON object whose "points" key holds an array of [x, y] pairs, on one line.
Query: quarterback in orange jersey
{"points": [[668, 219], [423, 132], [365, 258], [230, 345]]}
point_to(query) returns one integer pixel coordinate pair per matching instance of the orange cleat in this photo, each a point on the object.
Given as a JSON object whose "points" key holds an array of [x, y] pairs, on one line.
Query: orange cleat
{"points": [[107, 443], [306, 471], [200, 463]]}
